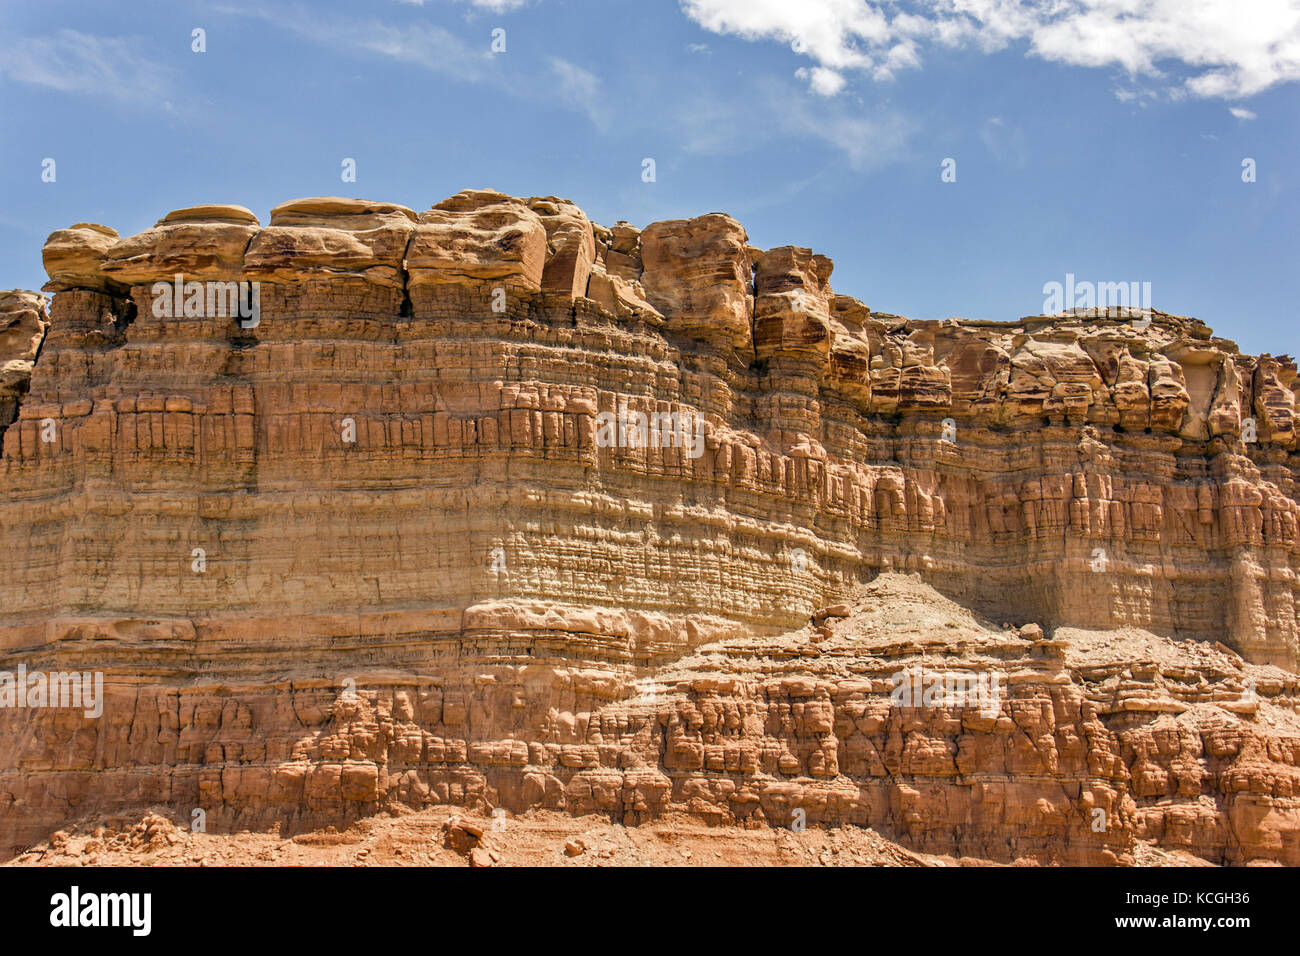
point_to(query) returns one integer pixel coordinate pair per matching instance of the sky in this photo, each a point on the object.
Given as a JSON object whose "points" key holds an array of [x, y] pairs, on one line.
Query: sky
{"points": [[953, 157]]}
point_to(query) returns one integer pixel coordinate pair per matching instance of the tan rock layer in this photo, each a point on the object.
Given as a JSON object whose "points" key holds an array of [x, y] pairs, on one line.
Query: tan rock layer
{"points": [[411, 429], [1101, 741]]}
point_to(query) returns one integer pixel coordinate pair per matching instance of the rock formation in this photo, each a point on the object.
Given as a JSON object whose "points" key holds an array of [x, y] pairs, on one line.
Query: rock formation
{"points": [[369, 545], [22, 330]]}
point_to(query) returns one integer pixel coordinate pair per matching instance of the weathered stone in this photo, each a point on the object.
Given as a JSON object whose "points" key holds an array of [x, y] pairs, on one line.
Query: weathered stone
{"points": [[74, 257], [696, 272], [478, 236], [792, 305], [376, 554], [331, 237], [22, 330], [570, 246], [201, 243]]}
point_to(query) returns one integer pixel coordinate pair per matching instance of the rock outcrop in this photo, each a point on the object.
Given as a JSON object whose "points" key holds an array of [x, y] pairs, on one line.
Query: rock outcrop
{"points": [[400, 536], [22, 330]]}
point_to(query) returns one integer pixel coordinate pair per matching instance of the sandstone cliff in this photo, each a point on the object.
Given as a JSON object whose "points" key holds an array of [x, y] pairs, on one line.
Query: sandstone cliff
{"points": [[366, 547]]}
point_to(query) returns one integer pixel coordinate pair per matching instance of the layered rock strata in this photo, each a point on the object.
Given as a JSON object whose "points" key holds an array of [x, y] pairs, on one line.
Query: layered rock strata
{"points": [[371, 547]]}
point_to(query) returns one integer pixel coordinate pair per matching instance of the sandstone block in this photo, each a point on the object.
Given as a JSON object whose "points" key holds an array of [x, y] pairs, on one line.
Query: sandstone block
{"points": [[478, 236], [697, 273]]}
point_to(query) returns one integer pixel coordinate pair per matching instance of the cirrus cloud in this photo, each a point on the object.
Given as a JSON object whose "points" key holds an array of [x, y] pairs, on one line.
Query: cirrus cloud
{"points": [[70, 61]]}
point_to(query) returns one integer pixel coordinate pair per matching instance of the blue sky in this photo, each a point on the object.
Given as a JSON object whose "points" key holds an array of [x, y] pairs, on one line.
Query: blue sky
{"points": [[1103, 138]]}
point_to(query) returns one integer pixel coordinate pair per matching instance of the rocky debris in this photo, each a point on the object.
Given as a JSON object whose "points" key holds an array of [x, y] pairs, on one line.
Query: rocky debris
{"points": [[615, 280], [466, 838], [621, 297], [463, 836], [154, 832], [834, 610], [399, 461], [403, 841], [574, 847]]}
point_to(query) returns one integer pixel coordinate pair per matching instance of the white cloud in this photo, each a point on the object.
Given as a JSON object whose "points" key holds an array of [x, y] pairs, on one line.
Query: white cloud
{"points": [[826, 30], [433, 48], [1205, 48], [428, 46], [73, 62], [424, 45], [868, 141], [823, 81], [582, 89], [901, 56], [1242, 113], [763, 110]]}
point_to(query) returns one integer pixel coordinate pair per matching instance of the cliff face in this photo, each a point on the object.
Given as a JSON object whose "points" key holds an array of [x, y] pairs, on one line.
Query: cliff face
{"points": [[436, 510], [22, 330]]}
